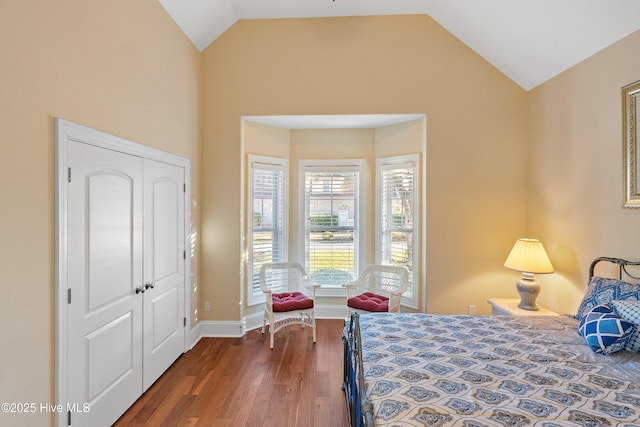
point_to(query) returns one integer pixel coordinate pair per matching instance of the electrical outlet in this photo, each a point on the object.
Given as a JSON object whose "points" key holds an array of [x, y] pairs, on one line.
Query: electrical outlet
{"points": [[207, 306], [472, 309]]}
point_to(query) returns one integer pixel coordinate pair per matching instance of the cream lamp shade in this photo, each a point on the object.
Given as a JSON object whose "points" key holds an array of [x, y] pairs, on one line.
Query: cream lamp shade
{"points": [[529, 257]]}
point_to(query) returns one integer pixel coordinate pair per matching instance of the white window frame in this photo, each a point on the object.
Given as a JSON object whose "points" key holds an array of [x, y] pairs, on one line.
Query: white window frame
{"points": [[333, 165], [410, 297], [271, 163]]}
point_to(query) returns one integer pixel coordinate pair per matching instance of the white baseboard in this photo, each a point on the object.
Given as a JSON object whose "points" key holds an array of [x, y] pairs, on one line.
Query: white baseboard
{"points": [[331, 312], [253, 321], [221, 328], [194, 335], [236, 329]]}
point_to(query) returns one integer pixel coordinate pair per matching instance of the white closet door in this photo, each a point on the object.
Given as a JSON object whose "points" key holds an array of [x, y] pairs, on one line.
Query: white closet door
{"points": [[104, 269], [164, 262]]}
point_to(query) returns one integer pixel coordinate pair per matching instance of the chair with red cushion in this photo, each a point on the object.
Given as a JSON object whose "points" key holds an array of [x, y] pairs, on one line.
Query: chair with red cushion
{"points": [[289, 297], [377, 289]]}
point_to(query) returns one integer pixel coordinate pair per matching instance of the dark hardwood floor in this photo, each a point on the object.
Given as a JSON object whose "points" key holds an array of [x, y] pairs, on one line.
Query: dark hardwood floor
{"points": [[241, 382]]}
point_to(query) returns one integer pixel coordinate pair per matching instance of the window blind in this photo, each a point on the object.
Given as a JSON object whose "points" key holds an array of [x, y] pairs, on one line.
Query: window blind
{"points": [[267, 237], [332, 226], [397, 214]]}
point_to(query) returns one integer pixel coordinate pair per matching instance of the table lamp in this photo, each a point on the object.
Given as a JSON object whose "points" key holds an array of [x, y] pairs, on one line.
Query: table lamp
{"points": [[529, 257]]}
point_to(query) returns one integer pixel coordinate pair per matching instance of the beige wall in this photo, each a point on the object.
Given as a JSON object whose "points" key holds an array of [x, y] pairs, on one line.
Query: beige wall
{"points": [[265, 140], [399, 139], [123, 67], [476, 138], [575, 163]]}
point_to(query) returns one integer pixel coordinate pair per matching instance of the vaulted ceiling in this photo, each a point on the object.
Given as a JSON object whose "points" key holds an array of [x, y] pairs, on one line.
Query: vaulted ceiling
{"points": [[530, 41]]}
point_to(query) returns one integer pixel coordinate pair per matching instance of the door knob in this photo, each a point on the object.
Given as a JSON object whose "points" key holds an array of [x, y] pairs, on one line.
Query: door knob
{"points": [[149, 285], [139, 289]]}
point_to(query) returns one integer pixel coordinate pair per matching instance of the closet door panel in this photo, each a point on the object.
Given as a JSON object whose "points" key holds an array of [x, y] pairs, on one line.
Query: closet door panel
{"points": [[109, 224], [104, 315], [164, 237]]}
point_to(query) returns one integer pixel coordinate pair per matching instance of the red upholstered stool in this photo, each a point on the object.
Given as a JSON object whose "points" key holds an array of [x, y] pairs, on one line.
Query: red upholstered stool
{"points": [[370, 302], [289, 301]]}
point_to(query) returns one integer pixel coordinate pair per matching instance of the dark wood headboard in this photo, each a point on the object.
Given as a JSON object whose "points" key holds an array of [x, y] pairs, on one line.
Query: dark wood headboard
{"points": [[622, 266]]}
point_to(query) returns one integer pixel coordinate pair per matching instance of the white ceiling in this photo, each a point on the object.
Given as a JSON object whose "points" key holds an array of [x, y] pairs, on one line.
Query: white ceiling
{"points": [[530, 41]]}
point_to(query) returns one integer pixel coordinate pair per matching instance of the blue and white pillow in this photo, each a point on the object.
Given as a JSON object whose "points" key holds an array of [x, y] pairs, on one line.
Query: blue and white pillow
{"points": [[602, 290], [630, 310], [604, 331]]}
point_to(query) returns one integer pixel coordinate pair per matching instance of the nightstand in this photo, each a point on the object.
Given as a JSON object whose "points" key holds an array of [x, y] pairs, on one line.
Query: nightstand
{"points": [[509, 307]]}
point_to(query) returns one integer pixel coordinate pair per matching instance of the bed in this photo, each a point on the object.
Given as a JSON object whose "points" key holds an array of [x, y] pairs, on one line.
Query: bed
{"points": [[414, 369]]}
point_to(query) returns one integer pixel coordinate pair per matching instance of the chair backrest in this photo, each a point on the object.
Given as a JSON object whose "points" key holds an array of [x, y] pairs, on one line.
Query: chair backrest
{"points": [[282, 277], [384, 279]]}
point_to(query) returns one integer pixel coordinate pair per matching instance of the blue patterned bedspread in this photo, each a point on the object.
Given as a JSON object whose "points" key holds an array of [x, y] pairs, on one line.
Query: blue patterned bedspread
{"points": [[432, 370]]}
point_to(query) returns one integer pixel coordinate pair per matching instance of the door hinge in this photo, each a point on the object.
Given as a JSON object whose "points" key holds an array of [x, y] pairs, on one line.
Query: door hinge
{"points": [[69, 175], [184, 187], [68, 295], [184, 322], [184, 254]]}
